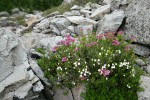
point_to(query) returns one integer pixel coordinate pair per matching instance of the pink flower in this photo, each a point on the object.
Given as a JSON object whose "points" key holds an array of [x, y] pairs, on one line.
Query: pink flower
{"points": [[126, 48], [68, 40], [53, 49], [76, 49], [99, 36], [64, 59], [82, 78], [115, 42], [120, 33], [104, 72]]}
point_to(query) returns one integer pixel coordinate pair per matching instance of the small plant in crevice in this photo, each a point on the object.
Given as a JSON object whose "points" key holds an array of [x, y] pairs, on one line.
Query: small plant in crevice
{"points": [[104, 63]]}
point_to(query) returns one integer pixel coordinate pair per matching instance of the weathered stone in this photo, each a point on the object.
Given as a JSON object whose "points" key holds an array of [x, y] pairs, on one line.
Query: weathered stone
{"points": [[141, 50], [84, 29], [60, 23], [81, 20], [59, 94], [19, 75], [118, 4], [77, 91], [140, 62], [37, 70], [50, 42], [137, 23], [145, 95], [148, 69], [100, 12], [4, 14], [38, 87], [9, 96], [75, 7], [22, 91], [111, 22], [15, 10]]}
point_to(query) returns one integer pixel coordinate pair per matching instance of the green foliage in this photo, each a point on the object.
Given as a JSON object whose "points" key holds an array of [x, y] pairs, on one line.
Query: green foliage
{"points": [[104, 63], [28, 5], [19, 20]]}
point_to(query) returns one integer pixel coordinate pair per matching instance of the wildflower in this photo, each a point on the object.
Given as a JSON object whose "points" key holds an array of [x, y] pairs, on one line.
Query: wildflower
{"points": [[115, 42], [120, 33], [126, 48], [53, 49], [99, 36], [64, 59], [82, 78], [104, 72], [76, 49]]}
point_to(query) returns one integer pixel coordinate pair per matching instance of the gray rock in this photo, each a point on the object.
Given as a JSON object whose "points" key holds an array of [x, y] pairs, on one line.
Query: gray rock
{"points": [[15, 10], [4, 14], [140, 62], [100, 12], [81, 20], [60, 23], [38, 87], [145, 80], [148, 69], [37, 70], [148, 60], [141, 50], [77, 91], [50, 42], [84, 29], [59, 94], [22, 91], [111, 22], [118, 4], [137, 23], [75, 7]]}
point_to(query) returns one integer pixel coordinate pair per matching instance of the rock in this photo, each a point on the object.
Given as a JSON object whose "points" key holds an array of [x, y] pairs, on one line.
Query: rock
{"points": [[111, 22], [75, 7], [33, 54], [22, 91], [77, 91], [37, 70], [148, 60], [4, 14], [17, 78], [67, 1], [72, 13], [100, 12], [60, 23], [9, 96], [38, 87], [85, 11], [49, 42], [145, 95], [107, 2], [118, 4], [148, 69], [140, 62], [69, 30], [84, 29], [80, 20], [137, 23], [141, 50], [59, 94], [15, 10]]}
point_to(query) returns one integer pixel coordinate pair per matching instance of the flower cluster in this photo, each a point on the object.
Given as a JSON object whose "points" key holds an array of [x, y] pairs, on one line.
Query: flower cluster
{"points": [[104, 62], [68, 40]]}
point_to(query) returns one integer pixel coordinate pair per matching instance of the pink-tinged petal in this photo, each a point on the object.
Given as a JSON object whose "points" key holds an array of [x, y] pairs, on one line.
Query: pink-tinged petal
{"points": [[120, 33], [64, 59], [82, 78], [76, 49], [115, 42]]}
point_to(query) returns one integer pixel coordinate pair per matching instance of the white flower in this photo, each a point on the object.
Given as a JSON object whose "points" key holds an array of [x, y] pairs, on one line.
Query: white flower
{"points": [[95, 60], [98, 60], [113, 67], [100, 54], [98, 63], [78, 63], [128, 86], [48, 69]]}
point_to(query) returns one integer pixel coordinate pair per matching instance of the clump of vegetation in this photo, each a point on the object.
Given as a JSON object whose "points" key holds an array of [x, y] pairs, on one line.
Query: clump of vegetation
{"points": [[66, 7], [104, 63], [19, 20], [28, 5]]}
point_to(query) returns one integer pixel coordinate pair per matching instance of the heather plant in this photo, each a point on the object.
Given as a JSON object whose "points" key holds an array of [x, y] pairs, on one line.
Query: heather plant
{"points": [[104, 63]]}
